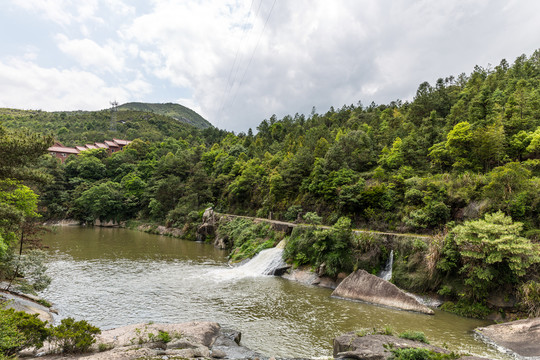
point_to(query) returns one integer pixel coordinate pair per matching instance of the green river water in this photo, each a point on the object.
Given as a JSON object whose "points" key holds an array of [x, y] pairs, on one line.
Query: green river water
{"points": [[114, 277]]}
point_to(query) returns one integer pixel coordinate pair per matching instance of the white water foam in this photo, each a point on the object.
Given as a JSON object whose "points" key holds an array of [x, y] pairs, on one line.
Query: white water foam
{"points": [[263, 264]]}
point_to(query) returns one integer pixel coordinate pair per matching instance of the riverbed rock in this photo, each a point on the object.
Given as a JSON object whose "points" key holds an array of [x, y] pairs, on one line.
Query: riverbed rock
{"points": [[377, 347], [304, 276], [28, 304], [521, 337], [361, 285], [227, 345], [203, 333]]}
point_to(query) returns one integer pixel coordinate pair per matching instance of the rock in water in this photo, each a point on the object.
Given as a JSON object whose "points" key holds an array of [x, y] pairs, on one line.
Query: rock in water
{"points": [[360, 285], [521, 337]]}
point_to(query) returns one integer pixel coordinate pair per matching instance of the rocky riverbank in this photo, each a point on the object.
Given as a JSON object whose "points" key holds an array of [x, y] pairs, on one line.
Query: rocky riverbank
{"points": [[26, 302], [192, 340], [362, 346], [519, 338]]}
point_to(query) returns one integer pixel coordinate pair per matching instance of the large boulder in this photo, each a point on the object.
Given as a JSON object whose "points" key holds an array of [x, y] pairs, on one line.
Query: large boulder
{"points": [[361, 285], [377, 347], [521, 337], [203, 333]]}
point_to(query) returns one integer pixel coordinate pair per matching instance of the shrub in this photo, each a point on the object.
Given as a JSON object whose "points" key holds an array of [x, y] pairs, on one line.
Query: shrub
{"points": [[332, 247], [414, 335], [420, 354], [74, 336], [292, 212], [387, 330], [493, 252], [468, 309], [19, 330], [312, 218], [248, 238], [529, 295], [164, 336]]}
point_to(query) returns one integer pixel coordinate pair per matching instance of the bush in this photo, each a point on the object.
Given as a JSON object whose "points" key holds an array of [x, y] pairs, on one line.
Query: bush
{"points": [[467, 309], [292, 212], [164, 336], [332, 247], [74, 336], [414, 335], [493, 253], [19, 330], [420, 354], [529, 295], [312, 218], [248, 238]]}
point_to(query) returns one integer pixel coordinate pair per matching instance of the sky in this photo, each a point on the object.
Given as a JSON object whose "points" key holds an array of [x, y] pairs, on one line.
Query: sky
{"points": [[238, 62]]}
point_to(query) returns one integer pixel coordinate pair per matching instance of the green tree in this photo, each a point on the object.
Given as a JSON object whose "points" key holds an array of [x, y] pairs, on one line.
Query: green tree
{"points": [[105, 201], [493, 253], [460, 145]]}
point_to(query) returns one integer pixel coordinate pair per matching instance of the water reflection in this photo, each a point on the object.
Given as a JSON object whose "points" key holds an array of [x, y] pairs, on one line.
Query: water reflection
{"points": [[114, 277]]}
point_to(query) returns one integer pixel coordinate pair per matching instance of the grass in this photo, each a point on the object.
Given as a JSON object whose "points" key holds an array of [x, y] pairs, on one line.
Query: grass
{"points": [[414, 335]]}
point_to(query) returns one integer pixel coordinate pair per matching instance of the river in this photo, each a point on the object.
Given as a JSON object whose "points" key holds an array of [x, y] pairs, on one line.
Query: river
{"points": [[114, 277]]}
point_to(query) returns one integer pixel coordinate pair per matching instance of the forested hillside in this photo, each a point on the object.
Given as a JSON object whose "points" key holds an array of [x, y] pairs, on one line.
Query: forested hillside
{"points": [[176, 111], [80, 127], [466, 146]]}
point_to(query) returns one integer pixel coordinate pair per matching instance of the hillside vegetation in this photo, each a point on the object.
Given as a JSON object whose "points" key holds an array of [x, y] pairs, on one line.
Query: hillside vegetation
{"points": [[461, 162], [80, 127], [176, 111]]}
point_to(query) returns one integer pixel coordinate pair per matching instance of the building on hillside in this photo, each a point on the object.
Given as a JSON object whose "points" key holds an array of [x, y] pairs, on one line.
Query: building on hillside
{"points": [[61, 152]]}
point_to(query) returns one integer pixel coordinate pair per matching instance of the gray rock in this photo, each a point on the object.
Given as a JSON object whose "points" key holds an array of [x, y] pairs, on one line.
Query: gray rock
{"points": [[181, 344], [221, 243], [360, 285], [231, 334], [521, 337], [376, 347], [228, 343], [303, 276], [218, 354], [20, 302]]}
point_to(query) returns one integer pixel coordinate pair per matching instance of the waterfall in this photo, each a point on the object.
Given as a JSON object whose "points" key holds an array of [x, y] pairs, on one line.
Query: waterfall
{"points": [[386, 273], [266, 262]]}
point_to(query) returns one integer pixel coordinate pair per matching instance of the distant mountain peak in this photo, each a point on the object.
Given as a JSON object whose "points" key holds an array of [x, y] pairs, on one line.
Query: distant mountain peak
{"points": [[175, 111]]}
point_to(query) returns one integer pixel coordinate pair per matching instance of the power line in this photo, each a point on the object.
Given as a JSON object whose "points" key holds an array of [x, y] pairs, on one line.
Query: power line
{"points": [[252, 55], [229, 84]]}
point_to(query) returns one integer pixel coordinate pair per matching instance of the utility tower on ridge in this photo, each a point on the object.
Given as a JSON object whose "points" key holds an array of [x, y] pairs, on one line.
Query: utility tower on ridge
{"points": [[114, 110]]}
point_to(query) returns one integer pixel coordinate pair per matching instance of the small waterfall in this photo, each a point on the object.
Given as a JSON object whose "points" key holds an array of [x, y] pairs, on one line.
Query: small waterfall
{"points": [[386, 273], [265, 262]]}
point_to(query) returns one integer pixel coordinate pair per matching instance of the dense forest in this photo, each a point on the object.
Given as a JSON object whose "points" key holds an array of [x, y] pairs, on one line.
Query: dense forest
{"points": [[462, 157], [462, 148]]}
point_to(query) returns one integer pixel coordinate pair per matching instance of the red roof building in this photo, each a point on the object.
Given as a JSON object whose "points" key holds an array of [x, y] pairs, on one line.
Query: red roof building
{"points": [[62, 152]]}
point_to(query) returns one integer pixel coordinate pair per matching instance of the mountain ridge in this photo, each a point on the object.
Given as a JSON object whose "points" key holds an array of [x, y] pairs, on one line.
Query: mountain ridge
{"points": [[176, 111]]}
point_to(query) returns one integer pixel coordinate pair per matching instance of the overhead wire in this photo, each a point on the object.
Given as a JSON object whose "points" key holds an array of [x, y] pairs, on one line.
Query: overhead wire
{"points": [[229, 84], [251, 58]]}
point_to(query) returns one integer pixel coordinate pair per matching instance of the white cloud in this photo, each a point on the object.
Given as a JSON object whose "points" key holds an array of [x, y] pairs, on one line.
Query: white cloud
{"points": [[91, 55], [54, 10], [63, 12], [33, 87], [311, 53]]}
